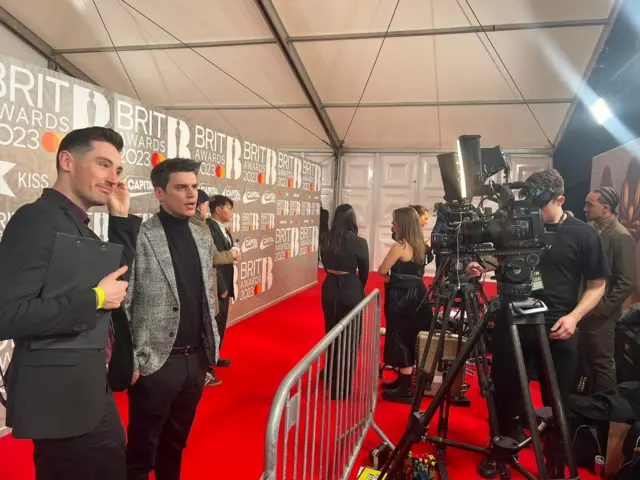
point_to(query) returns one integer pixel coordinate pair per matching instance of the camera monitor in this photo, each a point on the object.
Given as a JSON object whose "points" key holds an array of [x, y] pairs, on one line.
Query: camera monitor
{"points": [[461, 171]]}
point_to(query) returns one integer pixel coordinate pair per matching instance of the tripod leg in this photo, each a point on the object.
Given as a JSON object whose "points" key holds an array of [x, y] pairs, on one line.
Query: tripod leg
{"points": [[559, 417], [528, 402], [419, 421]]}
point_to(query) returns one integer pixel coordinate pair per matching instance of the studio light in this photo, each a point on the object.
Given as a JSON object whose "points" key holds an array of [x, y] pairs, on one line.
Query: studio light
{"points": [[600, 111]]}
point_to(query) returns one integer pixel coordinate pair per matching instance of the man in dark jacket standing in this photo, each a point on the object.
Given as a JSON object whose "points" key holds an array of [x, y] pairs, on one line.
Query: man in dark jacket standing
{"points": [[598, 329]]}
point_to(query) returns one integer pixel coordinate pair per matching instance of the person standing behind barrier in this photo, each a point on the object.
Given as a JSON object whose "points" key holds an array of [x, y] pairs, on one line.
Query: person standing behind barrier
{"points": [[406, 307], [346, 260], [597, 330], [58, 395], [171, 309], [219, 258]]}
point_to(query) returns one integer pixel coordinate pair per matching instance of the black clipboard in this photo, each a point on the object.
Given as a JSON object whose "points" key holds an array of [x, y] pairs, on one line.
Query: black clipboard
{"points": [[79, 263]]}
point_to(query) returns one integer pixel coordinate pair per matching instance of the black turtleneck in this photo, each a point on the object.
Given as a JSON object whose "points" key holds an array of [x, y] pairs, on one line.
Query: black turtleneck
{"points": [[186, 264]]}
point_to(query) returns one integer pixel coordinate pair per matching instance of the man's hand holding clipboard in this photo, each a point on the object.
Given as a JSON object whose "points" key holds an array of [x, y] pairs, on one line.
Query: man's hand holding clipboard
{"points": [[112, 290]]}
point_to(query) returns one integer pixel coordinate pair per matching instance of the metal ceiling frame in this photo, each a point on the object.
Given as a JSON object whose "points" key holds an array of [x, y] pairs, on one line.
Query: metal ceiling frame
{"points": [[445, 103], [613, 15], [30, 38], [273, 21], [431, 32]]}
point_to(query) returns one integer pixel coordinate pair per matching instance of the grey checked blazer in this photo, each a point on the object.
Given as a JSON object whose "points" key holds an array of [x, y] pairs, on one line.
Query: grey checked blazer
{"points": [[152, 303]]}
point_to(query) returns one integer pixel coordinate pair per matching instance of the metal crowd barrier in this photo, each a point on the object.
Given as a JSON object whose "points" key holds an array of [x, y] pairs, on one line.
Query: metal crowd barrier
{"points": [[324, 407]]}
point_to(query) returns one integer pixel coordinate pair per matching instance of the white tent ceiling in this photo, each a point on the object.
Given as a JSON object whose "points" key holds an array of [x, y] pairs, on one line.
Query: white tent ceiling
{"points": [[290, 73]]}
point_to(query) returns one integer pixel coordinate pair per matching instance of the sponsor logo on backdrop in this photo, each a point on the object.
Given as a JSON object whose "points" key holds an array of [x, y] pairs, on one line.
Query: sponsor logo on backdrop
{"points": [[144, 132], [23, 180], [249, 244], [266, 242], [308, 240], [289, 171], [232, 193], [259, 164], [253, 277], [305, 208], [294, 207], [311, 176], [250, 221], [268, 197], [138, 185], [282, 207], [220, 154], [32, 114], [209, 189], [287, 243], [267, 221], [234, 224], [250, 196]]}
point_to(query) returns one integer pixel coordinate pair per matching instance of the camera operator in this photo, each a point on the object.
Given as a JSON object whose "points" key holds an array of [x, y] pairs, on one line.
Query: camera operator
{"points": [[576, 254]]}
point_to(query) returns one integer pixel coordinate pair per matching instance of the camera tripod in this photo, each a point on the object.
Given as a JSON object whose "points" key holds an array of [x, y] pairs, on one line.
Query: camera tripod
{"points": [[503, 450]]}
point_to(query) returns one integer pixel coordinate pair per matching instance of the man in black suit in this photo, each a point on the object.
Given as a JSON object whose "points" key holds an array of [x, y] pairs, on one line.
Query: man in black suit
{"points": [[61, 398], [221, 208]]}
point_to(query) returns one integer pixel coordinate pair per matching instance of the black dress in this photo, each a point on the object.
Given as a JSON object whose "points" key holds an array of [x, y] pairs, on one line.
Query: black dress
{"points": [[407, 312]]}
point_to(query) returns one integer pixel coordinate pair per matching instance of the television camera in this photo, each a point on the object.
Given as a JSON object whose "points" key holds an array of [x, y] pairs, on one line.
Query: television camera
{"points": [[511, 241]]}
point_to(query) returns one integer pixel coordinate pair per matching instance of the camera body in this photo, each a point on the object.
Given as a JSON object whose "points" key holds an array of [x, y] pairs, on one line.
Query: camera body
{"points": [[514, 235]]}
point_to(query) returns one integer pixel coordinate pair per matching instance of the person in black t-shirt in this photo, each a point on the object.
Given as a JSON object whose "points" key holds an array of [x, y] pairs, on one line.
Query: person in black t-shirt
{"points": [[576, 255]]}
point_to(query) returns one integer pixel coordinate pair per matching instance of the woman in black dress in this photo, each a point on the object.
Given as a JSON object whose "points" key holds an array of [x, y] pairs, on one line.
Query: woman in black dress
{"points": [[406, 307], [345, 258]]}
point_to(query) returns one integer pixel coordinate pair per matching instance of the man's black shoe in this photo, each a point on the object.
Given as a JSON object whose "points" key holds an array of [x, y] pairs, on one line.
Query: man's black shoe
{"points": [[223, 362]]}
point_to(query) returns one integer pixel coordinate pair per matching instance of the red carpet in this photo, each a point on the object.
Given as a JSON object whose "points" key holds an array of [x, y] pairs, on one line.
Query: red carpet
{"points": [[228, 434]]}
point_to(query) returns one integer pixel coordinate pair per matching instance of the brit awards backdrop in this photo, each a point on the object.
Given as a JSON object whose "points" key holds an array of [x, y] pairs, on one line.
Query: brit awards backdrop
{"points": [[620, 168], [276, 195]]}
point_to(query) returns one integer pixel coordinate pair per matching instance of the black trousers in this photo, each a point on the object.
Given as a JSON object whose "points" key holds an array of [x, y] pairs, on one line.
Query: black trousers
{"points": [[162, 407], [222, 317], [508, 398], [597, 336], [97, 455]]}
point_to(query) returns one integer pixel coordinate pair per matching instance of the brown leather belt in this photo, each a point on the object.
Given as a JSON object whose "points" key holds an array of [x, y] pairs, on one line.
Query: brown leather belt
{"points": [[186, 350]]}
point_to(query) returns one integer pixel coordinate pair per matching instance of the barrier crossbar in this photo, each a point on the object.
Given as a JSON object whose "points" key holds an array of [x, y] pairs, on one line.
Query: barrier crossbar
{"points": [[324, 407]]}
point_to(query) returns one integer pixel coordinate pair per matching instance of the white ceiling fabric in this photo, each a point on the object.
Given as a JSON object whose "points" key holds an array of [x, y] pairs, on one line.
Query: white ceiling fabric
{"points": [[438, 74]]}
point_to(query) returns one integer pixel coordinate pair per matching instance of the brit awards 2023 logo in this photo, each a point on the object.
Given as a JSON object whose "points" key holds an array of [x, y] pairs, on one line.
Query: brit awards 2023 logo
{"points": [[253, 277], [220, 154], [289, 171], [287, 243]]}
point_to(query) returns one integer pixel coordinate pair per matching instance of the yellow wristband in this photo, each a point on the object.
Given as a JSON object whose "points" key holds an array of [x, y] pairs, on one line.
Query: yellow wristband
{"points": [[100, 294]]}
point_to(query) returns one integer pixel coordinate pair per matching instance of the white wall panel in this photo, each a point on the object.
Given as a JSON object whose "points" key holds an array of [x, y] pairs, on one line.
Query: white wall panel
{"points": [[357, 190]]}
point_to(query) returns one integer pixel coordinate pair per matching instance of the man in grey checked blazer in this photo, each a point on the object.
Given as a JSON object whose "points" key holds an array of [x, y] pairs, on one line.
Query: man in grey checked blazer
{"points": [[171, 310]]}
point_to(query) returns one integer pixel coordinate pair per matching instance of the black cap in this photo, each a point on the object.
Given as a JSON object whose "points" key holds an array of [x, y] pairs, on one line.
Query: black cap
{"points": [[608, 196], [202, 197]]}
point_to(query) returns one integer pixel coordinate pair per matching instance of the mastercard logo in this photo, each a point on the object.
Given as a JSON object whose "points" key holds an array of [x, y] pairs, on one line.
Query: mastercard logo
{"points": [[309, 250], [290, 183], [287, 254], [220, 171], [261, 178], [157, 159], [51, 141], [311, 187], [257, 289], [268, 227], [250, 227]]}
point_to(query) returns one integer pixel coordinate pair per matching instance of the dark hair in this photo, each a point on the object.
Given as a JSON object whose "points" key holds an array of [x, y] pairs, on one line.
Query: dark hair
{"points": [[219, 201], [202, 197], [80, 141], [420, 210], [162, 172], [323, 227], [608, 196], [549, 178], [344, 221]]}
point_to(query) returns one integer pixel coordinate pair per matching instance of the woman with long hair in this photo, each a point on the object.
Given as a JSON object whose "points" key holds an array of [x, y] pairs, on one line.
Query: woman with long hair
{"points": [[345, 258], [406, 307], [323, 231]]}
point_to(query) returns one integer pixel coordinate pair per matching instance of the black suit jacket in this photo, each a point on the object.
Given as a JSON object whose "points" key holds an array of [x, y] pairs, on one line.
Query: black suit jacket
{"points": [[54, 394], [225, 272]]}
